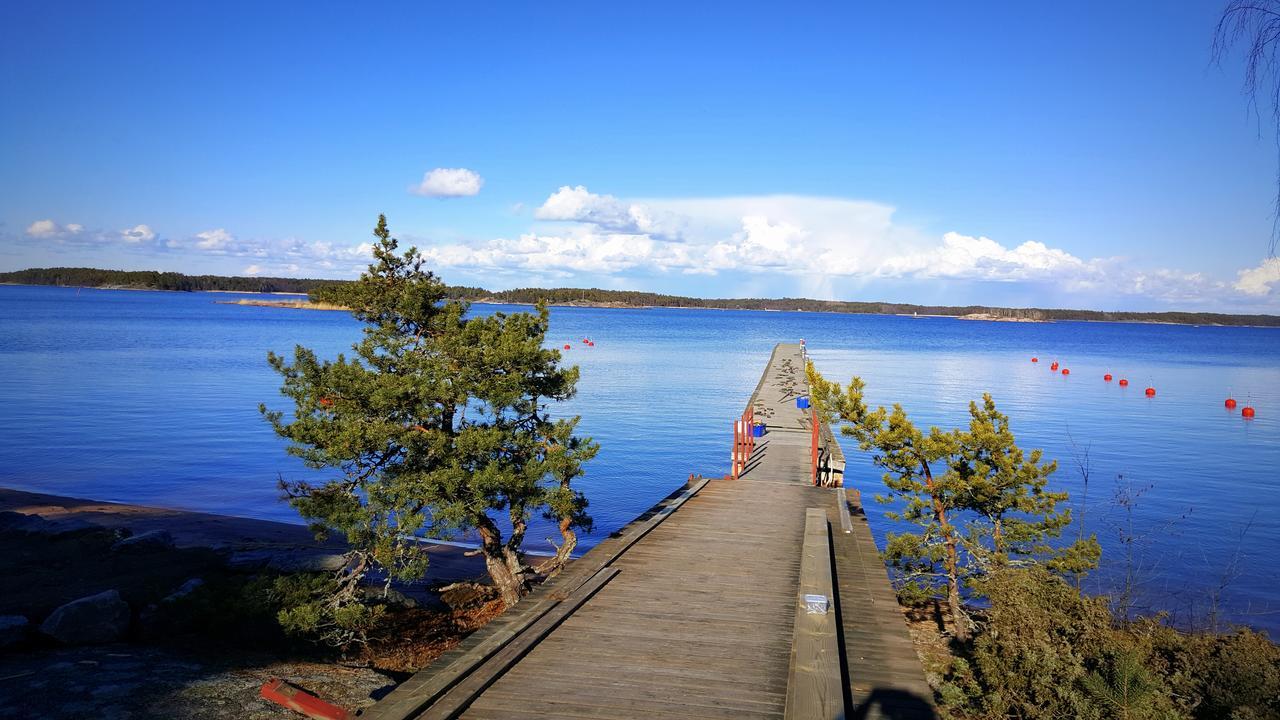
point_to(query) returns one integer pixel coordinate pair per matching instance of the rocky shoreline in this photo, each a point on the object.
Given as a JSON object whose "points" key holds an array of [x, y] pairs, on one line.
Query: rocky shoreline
{"points": [[99, 597]]}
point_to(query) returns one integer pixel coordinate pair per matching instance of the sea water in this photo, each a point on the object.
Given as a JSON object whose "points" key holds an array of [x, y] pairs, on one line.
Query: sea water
{"points": [[151, 398]]}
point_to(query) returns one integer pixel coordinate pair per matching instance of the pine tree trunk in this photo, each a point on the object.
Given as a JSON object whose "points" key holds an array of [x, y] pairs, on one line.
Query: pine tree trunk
{"points": [[552, 567], [961, 630], [507, 576]]}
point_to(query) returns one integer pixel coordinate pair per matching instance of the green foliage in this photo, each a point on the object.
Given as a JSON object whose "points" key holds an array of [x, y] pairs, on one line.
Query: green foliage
{"points": [[152, 280], [436, 423], [314, 607], [978, 500], [1124, 689], [1235, 675], [1007, 490], [1043, 650], [1040, 649]]}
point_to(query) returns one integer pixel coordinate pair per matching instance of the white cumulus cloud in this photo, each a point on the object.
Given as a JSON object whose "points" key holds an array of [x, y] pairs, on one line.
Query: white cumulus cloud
{"points": [[217, 240], [51, 229], [1258, 281], [449, 183], [577, 204], [138, 234], [823, 243], [980, 258]]}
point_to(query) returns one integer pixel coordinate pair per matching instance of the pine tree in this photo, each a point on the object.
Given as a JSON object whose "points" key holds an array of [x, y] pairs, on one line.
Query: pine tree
{"points": [[436, 425], [919, 476], [977, 477], [1007, 490]]}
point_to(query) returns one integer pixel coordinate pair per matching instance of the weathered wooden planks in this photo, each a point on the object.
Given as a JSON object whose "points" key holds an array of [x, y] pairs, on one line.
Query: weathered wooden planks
{"points": [[425, 687], [699, 614], [815, 685], [452, 703]]}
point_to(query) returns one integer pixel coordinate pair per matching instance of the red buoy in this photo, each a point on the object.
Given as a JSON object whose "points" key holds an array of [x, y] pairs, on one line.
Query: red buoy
{"points": [[1054, 366], [1107, 377], [1230, 403], [1124, 383], [1151, 392], [1035, 359], [566, 347], [1246, 411], [1065, 371]]}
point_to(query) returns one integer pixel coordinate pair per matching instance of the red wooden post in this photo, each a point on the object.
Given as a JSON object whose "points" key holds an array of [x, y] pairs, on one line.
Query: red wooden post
{"points": [[733, 468], [282, 693]]}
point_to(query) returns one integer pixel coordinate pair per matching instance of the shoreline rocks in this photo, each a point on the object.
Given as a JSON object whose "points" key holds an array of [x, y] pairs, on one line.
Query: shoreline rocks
{"points": [[91, 620]]}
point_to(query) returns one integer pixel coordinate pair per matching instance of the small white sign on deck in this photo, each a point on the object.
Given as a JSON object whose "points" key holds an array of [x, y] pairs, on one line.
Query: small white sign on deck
{"points": [[816, 604]]}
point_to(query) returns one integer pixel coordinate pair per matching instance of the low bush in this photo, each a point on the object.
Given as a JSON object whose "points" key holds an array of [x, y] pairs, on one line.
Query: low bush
{"points": [[1043, 650]]}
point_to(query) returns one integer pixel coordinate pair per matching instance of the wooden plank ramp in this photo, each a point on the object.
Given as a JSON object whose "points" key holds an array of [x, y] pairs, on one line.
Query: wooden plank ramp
{"points": [[695, 610]]}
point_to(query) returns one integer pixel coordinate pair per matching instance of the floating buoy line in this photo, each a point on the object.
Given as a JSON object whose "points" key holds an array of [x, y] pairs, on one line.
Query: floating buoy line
{"points": [[1247, 411]]}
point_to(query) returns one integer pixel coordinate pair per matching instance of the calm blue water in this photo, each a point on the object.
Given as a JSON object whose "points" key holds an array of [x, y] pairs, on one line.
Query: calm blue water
{"points": [[151, 398]]}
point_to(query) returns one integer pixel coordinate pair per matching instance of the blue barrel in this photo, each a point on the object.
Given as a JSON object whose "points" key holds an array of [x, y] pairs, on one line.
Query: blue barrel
{"points": [[757, 430], [802, 402]]}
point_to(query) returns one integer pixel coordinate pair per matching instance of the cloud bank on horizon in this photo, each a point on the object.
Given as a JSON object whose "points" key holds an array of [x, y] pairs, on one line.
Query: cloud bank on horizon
{"points": [[812, 244]]}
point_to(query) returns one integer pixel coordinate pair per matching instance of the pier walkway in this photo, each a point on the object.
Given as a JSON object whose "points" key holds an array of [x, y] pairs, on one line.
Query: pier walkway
{"points": [[697, 609]]}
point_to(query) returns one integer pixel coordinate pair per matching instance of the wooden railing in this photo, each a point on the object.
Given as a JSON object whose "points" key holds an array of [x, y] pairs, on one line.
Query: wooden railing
{"points": [[744, 441], [825, 455]]}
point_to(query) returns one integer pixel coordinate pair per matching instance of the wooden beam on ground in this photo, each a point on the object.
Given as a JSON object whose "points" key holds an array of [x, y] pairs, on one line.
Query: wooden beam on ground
{"points": [[815, 684]]}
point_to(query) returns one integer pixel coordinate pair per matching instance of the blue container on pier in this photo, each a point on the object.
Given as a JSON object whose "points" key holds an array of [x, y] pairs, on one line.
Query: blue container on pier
{"points": [[757, 430], [802, 402]]}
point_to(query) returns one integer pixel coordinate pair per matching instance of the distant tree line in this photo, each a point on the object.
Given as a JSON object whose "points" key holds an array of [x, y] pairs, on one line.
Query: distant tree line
{"points": [[632, 298], [92, 277], [154, 280]]}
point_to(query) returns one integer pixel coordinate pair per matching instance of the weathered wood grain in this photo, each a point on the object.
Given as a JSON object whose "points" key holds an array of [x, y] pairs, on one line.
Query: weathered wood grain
{"points": [[815, 686], [700, 613]]}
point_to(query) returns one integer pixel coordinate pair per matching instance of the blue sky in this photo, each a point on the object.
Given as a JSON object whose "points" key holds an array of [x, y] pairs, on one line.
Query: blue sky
{"points": [[1071, 154]]}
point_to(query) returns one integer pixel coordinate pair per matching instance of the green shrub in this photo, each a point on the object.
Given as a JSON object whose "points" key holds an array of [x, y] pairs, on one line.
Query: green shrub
{"points": [[308, 609]]}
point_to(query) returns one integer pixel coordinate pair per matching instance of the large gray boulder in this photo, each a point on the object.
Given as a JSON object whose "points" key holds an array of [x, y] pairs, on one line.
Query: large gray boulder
{"points": [[13, 630], [100, 618]]}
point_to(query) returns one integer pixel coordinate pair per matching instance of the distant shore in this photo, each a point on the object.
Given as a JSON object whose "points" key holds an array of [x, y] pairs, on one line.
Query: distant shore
{"points": [[290, 304], [611, 299], [981, 317]]}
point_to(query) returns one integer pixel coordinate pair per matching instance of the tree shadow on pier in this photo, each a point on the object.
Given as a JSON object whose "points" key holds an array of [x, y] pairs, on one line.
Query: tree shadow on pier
{"points": [[893, 704]]}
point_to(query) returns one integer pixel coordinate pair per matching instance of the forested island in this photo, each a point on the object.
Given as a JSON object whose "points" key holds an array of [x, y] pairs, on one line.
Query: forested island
{"points": [[596, 297]]}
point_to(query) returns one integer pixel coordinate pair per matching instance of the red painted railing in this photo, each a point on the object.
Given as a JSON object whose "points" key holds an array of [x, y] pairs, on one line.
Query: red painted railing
{"points": [[744, 441]]}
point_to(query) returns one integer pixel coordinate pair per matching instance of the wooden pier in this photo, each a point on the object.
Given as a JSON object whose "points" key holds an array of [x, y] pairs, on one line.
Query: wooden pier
{"points": [[697, 609]]}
